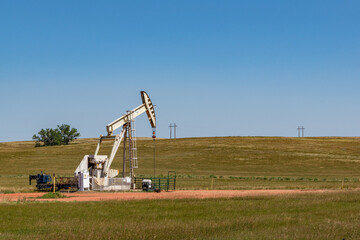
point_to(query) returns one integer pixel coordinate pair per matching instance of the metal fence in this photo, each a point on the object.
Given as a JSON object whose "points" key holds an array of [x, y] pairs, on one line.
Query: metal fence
{"points": [[243, 183], [160, 184]]}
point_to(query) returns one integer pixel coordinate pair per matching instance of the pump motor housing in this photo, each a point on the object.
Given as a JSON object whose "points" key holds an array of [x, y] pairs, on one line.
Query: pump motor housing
{"points": [[146, 185]]}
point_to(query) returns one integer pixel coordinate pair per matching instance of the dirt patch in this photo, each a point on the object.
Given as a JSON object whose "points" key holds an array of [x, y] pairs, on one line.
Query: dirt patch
{"points": [[201, 194]]}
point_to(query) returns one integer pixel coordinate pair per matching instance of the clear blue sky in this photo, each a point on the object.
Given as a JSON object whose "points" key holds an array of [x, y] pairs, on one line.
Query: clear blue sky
{"points": [[216, 68]]}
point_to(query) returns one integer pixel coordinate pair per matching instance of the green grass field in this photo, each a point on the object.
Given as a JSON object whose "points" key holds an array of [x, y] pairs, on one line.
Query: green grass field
{"points": [[235, 162], [309, 216], [230, 162]]}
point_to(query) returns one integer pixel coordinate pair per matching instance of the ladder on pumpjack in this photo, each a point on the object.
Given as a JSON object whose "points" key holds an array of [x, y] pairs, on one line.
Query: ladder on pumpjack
{"points": [[131, 131], [133, 143]]}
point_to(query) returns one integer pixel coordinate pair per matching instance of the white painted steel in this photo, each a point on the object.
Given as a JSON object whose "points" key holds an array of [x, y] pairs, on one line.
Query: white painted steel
{"points": [[147, 107], [84, 181], [84, 165]]}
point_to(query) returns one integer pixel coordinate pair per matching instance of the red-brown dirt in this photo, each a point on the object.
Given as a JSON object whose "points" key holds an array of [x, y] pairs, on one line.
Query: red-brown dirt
{"points": [[103, 196]]}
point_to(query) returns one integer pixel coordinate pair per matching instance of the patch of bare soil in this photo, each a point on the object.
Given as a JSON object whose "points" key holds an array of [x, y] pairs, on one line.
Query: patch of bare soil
{"points": [[181, 194]]}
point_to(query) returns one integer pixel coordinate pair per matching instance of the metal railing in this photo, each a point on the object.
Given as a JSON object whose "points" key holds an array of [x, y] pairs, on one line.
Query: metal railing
{"points": [[159, 183]]}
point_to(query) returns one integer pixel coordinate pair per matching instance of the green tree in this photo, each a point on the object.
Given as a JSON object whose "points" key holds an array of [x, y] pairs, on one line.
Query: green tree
{"points": [[60, 136], [68, 134]]}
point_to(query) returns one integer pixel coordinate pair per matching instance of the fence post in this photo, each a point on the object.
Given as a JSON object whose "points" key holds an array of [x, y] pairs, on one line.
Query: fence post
{"points": [[54, 183], [167, 187]]}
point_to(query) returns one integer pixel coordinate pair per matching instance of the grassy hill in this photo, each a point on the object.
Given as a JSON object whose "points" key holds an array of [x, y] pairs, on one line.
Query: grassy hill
{"points": [[234, 162], [221, 163]]}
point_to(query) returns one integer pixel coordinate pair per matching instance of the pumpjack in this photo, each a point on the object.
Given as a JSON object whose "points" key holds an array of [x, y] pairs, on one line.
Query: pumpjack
{"points": [[94, 171]]}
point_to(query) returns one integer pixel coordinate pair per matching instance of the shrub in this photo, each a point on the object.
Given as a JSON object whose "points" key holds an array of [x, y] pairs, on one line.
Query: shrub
{"points": [[53, 195]]}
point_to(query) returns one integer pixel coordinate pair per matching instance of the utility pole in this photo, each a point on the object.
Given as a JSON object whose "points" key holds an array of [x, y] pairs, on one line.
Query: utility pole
{"points": [[175, 130], [170, 127], [173, 127], [302, 129]]}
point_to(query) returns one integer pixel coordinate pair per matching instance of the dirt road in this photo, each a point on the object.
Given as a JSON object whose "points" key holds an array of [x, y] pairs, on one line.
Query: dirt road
{"points": [[201, 194]]}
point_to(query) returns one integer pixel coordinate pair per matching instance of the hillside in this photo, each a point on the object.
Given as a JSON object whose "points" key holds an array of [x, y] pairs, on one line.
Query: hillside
{"points": [[236, 162]]}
